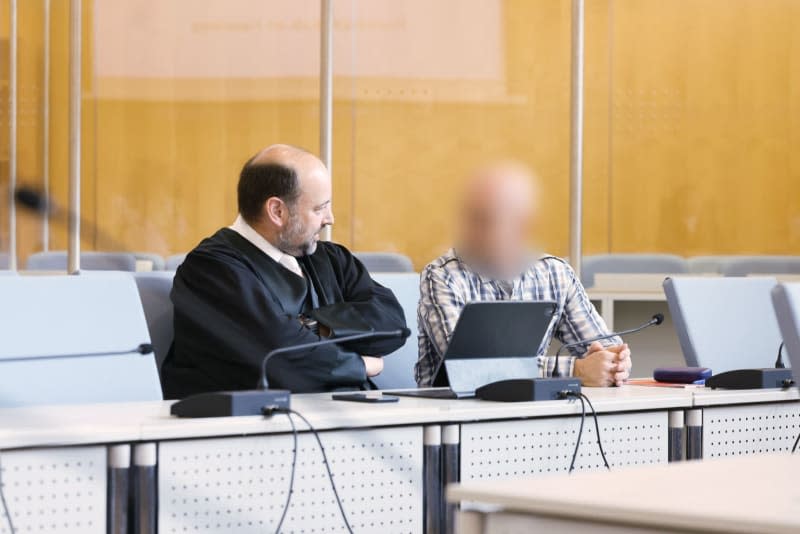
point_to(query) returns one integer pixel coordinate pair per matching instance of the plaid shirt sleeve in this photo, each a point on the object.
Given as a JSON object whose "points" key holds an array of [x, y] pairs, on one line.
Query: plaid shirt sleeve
{"points": [[580, 319], [440, 305]]}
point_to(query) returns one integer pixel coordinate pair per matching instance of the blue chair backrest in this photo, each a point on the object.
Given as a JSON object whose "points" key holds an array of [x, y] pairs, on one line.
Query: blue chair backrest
{"points": [[154, 290], [385, 262], [71, 316], [724, 323], [786, 299], [398, 370], [746, 265], [174, 261], [631, 264], [90, 261]]}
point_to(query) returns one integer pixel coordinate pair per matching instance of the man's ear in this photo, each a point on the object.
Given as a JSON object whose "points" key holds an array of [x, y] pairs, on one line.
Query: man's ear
{"points": [[276, 211]]}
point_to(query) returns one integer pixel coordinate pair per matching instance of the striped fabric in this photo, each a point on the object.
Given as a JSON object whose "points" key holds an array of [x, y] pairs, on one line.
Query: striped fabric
{"points": [[448, 284]]}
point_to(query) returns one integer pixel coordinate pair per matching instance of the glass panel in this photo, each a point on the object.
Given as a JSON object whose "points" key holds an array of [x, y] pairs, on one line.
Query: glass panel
{"points": [[426, 91]]}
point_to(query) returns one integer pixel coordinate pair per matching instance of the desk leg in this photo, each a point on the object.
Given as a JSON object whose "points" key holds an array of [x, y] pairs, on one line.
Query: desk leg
{"points": [[145, 484], [119, 465], [694, 434], [434, 490], [677, 438], [451, 466]]}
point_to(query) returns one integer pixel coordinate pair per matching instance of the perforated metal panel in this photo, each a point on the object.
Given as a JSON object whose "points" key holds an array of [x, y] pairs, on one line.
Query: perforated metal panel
{"points": [[240, 484], [750, 429], [544, 446], [55, 490]]}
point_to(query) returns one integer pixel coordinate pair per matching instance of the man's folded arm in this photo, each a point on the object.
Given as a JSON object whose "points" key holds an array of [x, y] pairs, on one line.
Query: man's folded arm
{"points": [[375, 304]]}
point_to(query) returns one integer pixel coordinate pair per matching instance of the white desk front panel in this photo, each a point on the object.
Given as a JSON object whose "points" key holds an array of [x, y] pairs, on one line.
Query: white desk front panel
{"points": [[750, 428], [240, 484], [55, 490], [544, 446]]}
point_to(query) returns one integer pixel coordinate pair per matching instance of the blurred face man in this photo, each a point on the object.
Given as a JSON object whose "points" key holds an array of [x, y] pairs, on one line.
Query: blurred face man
{"points": [[496, 220], [293, 222]]}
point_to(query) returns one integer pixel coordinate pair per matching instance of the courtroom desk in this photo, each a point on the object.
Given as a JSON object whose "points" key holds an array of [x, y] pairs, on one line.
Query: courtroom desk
{"points": [[734, 495], [739, 422], [220, 474], [432, 440], [63, 466]]}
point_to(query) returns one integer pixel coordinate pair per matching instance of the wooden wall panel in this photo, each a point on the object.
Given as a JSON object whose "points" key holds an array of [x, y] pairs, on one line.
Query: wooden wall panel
{"points": [[692, 129], [704, 106]]}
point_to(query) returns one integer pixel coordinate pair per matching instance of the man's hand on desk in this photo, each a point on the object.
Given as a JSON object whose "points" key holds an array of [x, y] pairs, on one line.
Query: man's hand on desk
{"points": [[373, 365], [604, 366]]}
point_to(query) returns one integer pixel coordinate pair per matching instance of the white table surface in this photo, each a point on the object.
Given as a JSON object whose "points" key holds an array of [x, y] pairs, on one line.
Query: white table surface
{"points": [[145, 421], [742, 495], [726, 397]]}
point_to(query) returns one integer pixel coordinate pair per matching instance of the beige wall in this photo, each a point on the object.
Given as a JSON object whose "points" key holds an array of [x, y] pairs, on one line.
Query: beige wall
{"points": [[692, 135]]}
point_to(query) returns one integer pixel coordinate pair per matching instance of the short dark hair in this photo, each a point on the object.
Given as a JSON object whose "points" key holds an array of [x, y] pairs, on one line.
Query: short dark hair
{"points": [[260, 181]]}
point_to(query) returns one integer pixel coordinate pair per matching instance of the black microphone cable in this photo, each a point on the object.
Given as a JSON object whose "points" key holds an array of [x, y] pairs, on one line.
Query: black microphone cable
{"points": [[584, 400], [779, 361], [269, 410], [597, 431], [11, 528], [580, 432], [794, 447], [291, 477]]}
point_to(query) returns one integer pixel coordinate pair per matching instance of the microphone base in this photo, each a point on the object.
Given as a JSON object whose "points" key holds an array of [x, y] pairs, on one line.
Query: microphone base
{"points": [[232, 403], [766, 378], [528, 389]]}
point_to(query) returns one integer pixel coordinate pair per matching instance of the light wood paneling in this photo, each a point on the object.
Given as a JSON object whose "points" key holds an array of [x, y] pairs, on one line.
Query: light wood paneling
{"points": [[692, 136]]}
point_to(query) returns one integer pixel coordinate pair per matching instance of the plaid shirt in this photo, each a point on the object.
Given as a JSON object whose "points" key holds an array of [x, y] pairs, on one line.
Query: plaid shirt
{"points": [[448, 284]]}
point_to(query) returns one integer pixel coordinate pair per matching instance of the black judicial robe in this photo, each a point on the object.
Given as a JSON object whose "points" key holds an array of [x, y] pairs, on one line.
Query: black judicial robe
{"points": [[233, 304]]}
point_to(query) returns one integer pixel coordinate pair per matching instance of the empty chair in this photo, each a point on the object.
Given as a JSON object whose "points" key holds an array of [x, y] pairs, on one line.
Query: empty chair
{"points": [[90, 261], [174, 261], [708, 264], [398, 370], [724, 323], [148, 261], [745, 265], [631, 264], [154, 289], [786, 300], [385, 262], [74, 339]]}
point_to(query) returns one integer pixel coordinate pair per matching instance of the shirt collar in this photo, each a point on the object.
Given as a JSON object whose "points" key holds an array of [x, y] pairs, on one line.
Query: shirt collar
{"points": [[241, 227]]}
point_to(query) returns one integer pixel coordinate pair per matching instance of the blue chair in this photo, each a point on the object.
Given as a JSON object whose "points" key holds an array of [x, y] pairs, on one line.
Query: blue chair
{"points": [[745, 265], [154, 289], [174, 261], [60, 336], [90, 261], [708, 264], [398, 370], [786, 300], [724, 323], [385, 262], [631, 264]]}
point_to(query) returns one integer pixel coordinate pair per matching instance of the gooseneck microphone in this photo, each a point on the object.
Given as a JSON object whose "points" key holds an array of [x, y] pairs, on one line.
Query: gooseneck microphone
{"points": [[402, 333], [656, 320], [142, 348], [262, 400]]}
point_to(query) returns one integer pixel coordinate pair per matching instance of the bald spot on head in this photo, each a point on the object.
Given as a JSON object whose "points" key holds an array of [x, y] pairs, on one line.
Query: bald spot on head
{"points": [[497, 209], [294, 157]]}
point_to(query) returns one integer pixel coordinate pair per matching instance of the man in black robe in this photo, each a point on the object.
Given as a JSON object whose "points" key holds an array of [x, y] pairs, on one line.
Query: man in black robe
{"points": [[268, 282]]}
